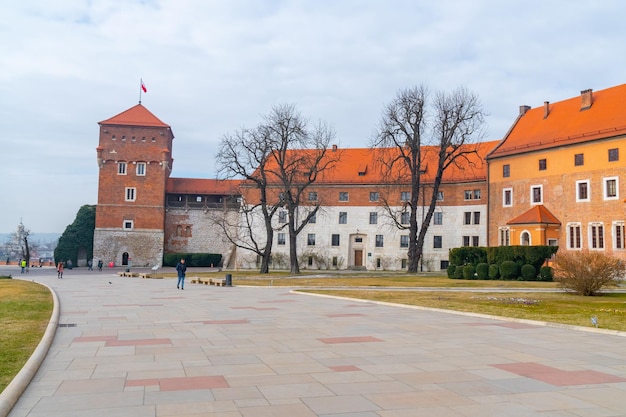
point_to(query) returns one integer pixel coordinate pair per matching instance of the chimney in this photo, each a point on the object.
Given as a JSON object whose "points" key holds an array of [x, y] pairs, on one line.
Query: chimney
{"points": [[586, 99], [523, 110], [334, 148], [546, 109]]}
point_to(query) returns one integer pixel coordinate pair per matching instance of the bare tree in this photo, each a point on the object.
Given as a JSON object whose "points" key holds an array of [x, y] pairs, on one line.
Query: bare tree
{"points": [[20, 242], [415, 134]]}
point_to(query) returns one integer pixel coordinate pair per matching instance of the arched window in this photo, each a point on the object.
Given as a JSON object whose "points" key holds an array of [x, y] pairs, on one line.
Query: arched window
{"points": [[525, 239], [179, 231]]}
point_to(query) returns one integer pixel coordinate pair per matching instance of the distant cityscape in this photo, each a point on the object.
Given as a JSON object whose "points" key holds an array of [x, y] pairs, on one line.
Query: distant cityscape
{"points": [[42, 244]]}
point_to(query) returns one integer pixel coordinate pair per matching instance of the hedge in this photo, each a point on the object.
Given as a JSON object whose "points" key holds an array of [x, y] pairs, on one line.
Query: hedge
{"points": [[508, 270], [528, 273], [468, 272], [193, 259], [482, 270], [494, 271]]}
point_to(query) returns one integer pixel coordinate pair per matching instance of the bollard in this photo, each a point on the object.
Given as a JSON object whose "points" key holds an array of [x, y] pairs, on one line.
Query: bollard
{"points": [[229, 280]]}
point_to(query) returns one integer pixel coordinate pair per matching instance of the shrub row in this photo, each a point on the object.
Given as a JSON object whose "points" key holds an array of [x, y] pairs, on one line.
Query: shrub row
{"points": [[507, 270], [193, 259], [521, 255]]}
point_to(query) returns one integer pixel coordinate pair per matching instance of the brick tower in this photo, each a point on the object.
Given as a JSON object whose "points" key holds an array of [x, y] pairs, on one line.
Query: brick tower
{"points": [[135, 161]]}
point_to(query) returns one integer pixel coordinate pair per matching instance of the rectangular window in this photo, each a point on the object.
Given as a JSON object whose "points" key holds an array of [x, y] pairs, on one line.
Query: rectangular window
{"points": [[582, 191], [281, 197], [343, 196], [579, 159], [467, 217], [335, 261], [543, 164], [374, 196], [404, 241], [476, 194], [312, 196], [141, 169], [282, 216], [198, 199], [405, 217], [334, 240], [505, 236], [379, 241], [467, 195], [438, 217], [403, 263], [596, 237], [536, 194], [506, 170], [477, 217], [405, 196], [610, 188], [443, 265], [128, 224], [439, 195], [130, 194], [613, 155], [573, 236], [466, 240], [281, 238], [618, 235], [507, 197], [121, 168], [475, 241], [373, 217], [343, 217], [310, 239], [313, 218], [437, 242]]}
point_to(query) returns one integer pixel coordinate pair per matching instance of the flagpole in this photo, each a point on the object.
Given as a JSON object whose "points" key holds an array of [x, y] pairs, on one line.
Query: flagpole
{"points": [[140, 84]]}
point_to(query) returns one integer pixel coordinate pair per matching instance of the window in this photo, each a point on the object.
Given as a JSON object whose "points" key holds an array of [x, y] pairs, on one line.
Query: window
{"points": [[618, 235], [374, 196], [405, 217], [613, 155], [610, 188], [121, 168], [310, 239], [506, 170], [468, 195], [404, 241], [505, 236], [582, 190], [466, 240], [438, 217], [310, 261], [281, 238], [334, 239], [543, 164], [343, 217], [437, 242], [379, 241], [439, 195], [477, 217], [596, 238], [141, 169], [475, 241], [507, 197], [579, 159], [130, 194], [405, 196], [403, 263], [525, 238], [128, 224], [335, 261], [378, 263], [313, 218], [312, 196], [471, 194], [476, 194], [373, 217], [282, 216], [536, 194], [573, 236], [281, 197], [358, 239], [443, 265], [467, 217], [343, 196]]}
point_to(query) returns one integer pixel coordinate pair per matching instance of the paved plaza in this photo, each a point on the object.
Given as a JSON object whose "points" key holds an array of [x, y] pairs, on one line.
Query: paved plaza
{"points": [[141, 348]]}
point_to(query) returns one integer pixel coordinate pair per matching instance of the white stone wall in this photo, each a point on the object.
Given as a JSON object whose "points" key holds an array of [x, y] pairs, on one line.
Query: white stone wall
{"points": [[144, 247]]}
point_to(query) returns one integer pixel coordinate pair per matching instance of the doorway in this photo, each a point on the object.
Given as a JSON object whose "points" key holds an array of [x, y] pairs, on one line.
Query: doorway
{"points": [[358, 257]]}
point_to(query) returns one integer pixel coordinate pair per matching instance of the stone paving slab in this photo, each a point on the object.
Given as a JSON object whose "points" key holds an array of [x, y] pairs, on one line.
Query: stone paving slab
{"points": [[143, 348]]}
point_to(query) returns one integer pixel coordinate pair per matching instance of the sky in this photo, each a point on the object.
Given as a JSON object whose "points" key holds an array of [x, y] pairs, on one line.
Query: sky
{"points": [[214, 67]]}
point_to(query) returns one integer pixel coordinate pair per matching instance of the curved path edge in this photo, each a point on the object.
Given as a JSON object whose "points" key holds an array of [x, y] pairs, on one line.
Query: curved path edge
{"points": [[15, 389]]}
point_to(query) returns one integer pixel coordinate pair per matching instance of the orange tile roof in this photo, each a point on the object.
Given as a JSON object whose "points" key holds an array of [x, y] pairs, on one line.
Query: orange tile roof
{"points": [[536, 215], [201, 186], [137, 115], [359, 166], [566, 123]]}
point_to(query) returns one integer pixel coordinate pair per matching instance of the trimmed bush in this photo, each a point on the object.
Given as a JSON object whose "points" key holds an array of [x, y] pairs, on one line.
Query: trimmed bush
{"points": [[546, 274], [508, 270], [528, 273], [494, 271], [482, 271], [450, 270], [458, 272], [468, 272]]}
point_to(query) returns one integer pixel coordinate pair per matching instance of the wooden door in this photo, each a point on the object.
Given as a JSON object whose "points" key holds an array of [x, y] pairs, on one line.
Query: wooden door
{"points": [[358, 257]]}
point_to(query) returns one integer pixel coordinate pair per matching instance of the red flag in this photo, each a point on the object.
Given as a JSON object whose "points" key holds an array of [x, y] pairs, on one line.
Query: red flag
{"points": [[143, 87]]}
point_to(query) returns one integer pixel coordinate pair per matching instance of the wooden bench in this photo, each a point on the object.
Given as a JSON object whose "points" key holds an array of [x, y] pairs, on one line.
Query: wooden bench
{"points": [[128, 274], [217, 282]]}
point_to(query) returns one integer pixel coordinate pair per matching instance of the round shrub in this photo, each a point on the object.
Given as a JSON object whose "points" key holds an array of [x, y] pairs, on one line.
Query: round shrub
{"points": [[546, 274], [458, 272], [450, 270], [468, 272], [494, 271], [508, 270], [482, 271], [528, 273]]}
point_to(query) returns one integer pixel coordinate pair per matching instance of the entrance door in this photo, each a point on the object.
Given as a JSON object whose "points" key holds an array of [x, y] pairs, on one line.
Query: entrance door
{"points": [[125, 258], [358, 257]]}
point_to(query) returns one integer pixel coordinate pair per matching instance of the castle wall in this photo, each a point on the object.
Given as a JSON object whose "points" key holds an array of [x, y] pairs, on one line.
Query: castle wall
{"points": [[144, 247]]}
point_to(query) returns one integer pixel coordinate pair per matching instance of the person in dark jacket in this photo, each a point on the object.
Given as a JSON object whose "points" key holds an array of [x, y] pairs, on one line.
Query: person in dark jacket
{"points": [[181, 268]]}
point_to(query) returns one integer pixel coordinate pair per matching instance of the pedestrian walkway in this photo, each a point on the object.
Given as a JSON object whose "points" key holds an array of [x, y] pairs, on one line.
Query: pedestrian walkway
{"points": [[141, 348]]}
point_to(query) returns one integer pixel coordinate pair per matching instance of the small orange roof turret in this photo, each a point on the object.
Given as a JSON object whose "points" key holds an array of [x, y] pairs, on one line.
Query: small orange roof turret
{"points": [[137, 115], [536, 215]]}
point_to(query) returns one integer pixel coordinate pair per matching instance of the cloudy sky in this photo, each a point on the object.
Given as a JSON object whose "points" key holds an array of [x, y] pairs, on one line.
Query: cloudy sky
{"points": [[212, 67]]}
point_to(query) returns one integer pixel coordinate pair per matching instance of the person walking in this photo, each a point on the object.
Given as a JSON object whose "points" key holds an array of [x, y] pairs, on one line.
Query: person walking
{"points": [[60, 270], [100, 265], [181, 268], [90, 265]]}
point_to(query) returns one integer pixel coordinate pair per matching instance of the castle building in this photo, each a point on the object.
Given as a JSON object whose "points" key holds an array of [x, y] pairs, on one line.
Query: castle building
{"points": [[555, 179]]}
